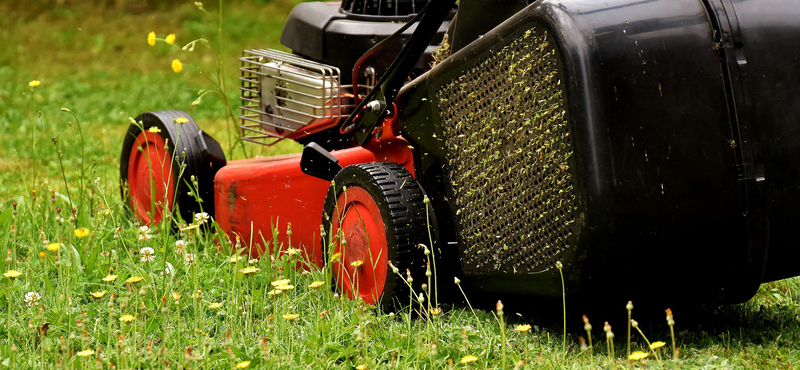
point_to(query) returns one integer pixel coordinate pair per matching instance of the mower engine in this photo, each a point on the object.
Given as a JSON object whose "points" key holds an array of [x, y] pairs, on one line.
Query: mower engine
{"points": [[303, 96]]}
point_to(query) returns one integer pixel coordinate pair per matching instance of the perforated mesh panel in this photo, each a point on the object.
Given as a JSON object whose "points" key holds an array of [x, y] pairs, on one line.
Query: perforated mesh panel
{"points": [[507, 146]]}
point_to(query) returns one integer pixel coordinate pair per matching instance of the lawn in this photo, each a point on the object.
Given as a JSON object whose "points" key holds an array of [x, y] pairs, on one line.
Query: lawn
{"points": [[96, 290]]}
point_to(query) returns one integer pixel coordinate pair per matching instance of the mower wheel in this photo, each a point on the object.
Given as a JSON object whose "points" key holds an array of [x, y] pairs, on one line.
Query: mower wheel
{"points": [[156, 177], [374, 213]]}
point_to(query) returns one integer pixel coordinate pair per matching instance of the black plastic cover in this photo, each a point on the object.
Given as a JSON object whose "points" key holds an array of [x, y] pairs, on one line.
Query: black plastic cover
{"points": [[321, 32], [684, 167]]}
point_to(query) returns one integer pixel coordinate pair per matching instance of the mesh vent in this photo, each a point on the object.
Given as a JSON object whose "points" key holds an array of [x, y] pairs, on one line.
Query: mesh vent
{"points": [[508, 145]]}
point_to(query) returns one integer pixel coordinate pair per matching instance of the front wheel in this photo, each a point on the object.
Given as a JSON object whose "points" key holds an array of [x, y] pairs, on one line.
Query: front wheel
{"points": [[374, 214], [160, 154]]}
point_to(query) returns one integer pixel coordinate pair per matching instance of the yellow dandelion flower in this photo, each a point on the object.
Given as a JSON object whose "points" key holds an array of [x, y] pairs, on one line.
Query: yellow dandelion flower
{"points": [[134, 279], [81, 232], [274, 292], [657, 345], [638, 355], [42, 254], [176, 296], [181, 120], [284, 287], [362, 367], [170, 39], [291, 316], [126, 318], [292, 251], [243, 365], [52, 247], [249, 270], [436, 311], [85, 353], [34, 83], [177, 66], [151, 38], [154, 130], [281, 282], [357, 264], [109, 278], [336, 257], [316, 284], [235, 258], [468, 358], [98, 294], [12, 274], [215, 305], [523, 328]]}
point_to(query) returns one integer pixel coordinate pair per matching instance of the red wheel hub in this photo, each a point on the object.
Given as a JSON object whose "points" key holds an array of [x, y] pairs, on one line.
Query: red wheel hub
{"points": [[151, 180], [359, 219]]}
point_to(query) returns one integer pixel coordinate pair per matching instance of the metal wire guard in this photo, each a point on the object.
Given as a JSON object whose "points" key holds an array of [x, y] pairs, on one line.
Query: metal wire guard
{"points": [[283, 93], [508, 149]]}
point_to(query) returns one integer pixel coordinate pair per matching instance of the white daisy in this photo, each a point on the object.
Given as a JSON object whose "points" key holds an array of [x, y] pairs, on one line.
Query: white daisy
{"points": [[180, 246], [32, 298], [147, 254], [200, 218], [144, 233]]}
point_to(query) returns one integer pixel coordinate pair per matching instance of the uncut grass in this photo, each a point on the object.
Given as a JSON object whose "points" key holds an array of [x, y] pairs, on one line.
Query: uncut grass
{"points": [[105, 73]]}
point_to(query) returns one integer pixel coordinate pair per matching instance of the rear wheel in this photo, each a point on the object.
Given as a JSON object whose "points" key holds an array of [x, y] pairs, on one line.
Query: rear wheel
{"points": [[374, 213], [156, 177]]}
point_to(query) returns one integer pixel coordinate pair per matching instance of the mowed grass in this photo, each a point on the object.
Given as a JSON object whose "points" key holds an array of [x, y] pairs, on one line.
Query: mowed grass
{"points": [[197, 307]]}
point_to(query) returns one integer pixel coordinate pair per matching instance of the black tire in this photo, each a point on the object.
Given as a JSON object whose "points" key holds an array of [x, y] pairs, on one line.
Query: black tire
{"points": [[399, 199], [200, 153]]}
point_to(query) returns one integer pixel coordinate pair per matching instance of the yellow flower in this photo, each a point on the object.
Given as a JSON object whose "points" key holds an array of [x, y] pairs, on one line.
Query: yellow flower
{"points": [[190, 227], [523, 328], [292, 251], [42, 254], [177, 66], [357, 264], [81, 232], [34, 83], [134, 279], [249, 270], [176, 296], [468, 358], [291, 316], [362, 367], [170, 39], [281, 282], [151, 38], [12, 274], [98, 294], [85, 353], [657, 345], [284, 287], [274, 292], [316, 284], [109, 278], [215, 306], [154, 130], [52, 247], [243, 365], [336, 257], [126, 318], [436, 311], [181, 120], [638, 355], [235, 258]]}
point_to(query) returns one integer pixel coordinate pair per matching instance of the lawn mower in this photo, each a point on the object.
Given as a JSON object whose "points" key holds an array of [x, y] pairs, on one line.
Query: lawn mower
{"points": [[636, 149]]}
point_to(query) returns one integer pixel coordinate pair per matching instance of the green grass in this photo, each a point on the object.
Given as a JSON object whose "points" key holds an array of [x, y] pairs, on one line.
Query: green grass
{"points": [[94, 60]]}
